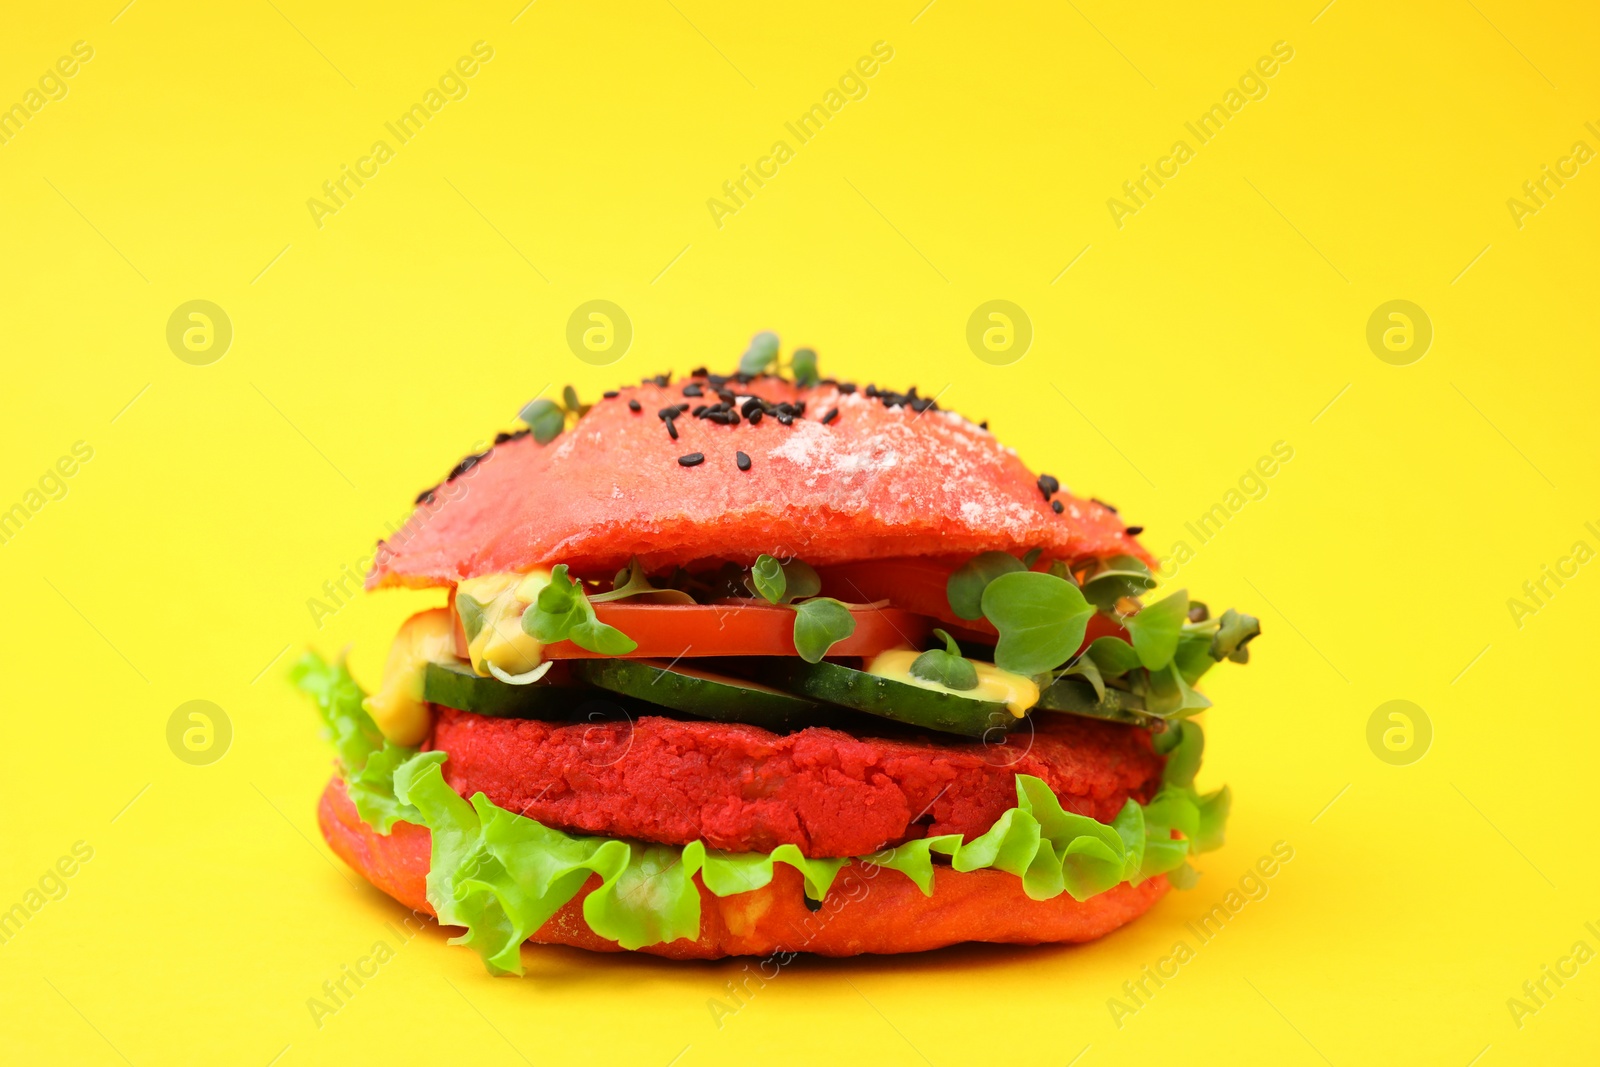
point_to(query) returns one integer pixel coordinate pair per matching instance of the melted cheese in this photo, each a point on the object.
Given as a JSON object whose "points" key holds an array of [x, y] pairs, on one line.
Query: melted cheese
{"points": [[1016, 692], [502, 640], [397, 707]]}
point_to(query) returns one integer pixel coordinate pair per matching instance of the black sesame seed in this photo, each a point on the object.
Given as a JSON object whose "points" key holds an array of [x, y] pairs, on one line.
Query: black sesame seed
{"points": [[984, 425], [755, 416], [1055, 506], [661, 380], [800, 408], [784, 419], [751, 404], [725, 396], [698, 372], [921, 404], [833, 413], [635, 406], [1109, 507], [700, 411], [742, 460], [1048, 486], [425, 497], [610, 394], [1134, 531], [672, 429], [693, 389], [501, 438], [847, 388], [693, 459]]}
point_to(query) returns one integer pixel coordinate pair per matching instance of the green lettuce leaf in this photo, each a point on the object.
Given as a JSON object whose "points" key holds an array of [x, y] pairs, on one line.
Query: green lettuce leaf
{"points": [[501, 875], [366, 759]]}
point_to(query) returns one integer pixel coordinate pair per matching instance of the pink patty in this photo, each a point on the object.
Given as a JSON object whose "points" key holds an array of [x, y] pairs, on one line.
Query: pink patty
{"points": [[745, 789]]}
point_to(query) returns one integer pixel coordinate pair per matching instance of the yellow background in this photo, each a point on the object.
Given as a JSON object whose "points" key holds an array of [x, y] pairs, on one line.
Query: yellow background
{"points": [[1229, 313]]}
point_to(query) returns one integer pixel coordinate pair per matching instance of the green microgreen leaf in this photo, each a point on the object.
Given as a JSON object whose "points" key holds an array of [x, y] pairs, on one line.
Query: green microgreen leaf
{"points": [[1183, 744], [1031, 557], [782, 583], [801, 580], [1156, 628], [945, 666], [762, 351], [964, 589], [1114, 656], [600, 637], [472, 616], [1117, 577], [545, 418], [1234, 632], [1167, 694], [1085, 667], [563, 613], [768, 580], [1041, 619], [569, 399], [803, 365], [819, 624], [1193, 657], [631, 582]]}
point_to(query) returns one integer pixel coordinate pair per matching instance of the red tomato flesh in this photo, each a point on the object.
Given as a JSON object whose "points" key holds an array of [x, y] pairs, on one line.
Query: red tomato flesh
{"points": [[667, 631]]}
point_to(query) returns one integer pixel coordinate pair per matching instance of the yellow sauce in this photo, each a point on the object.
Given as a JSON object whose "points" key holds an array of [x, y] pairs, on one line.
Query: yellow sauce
{"points": [[502, 640], [1015, 691], [397, 707]]}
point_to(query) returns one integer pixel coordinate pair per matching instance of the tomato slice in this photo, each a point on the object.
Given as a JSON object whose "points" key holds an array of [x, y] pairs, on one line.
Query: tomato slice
{"points": [[914, 584], [919, 585], [667, 631]]}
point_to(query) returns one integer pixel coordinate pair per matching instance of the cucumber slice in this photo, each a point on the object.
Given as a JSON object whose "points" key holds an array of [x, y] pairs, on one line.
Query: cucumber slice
{"points": [[890, 699], [1077, 697], [702, 693], [455, 686]]}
